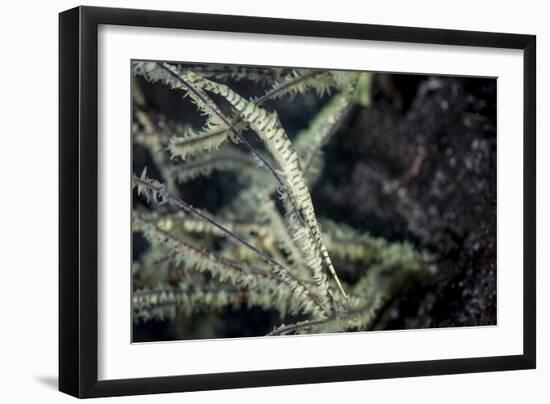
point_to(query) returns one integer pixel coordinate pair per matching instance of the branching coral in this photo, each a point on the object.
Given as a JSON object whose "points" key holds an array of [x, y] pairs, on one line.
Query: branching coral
{"points": [[267, 247]]}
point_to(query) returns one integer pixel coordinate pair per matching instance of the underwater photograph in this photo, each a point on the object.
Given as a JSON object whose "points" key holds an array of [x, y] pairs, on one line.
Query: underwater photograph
{"points": [[271, 201]]}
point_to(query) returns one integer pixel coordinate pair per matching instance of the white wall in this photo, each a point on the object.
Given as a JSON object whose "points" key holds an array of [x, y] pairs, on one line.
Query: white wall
{"points": [[28, 206]]}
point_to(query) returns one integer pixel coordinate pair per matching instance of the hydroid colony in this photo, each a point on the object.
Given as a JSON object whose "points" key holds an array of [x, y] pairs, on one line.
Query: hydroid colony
{"points": [[266, 247]]}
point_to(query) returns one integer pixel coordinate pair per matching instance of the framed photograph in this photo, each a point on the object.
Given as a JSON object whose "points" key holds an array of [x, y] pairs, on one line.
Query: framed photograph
{"points": [[251, 201]]}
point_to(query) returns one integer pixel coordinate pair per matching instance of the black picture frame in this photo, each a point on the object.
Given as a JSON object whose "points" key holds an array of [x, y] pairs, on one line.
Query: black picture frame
{"points": [[78, 201]]}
